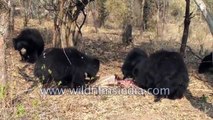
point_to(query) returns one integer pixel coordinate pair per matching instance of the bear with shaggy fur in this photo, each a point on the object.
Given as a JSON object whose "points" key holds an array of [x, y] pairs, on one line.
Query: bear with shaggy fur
{"points": [[30, 44], [133, 58], [68, 66], [163, 70]]}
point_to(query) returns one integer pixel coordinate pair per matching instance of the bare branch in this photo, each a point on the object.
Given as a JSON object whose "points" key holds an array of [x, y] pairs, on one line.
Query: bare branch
{"points": [[79, 27]]}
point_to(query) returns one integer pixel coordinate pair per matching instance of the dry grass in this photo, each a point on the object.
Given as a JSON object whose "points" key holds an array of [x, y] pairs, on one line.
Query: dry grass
{"points": [[107, 46]]}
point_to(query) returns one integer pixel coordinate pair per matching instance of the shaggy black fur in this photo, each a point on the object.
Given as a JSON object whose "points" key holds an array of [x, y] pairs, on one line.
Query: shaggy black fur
{"points": [[67, 66], [134, 57], [163, 71], [206, 64], [30, 44]]}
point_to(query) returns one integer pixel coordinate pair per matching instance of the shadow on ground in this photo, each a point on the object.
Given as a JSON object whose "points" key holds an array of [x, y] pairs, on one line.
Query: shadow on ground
{"points": [[200, 103]]}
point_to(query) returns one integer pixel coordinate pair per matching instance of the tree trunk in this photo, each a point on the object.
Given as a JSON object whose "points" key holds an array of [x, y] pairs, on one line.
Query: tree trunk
{"points": [[158, 18], [3, 35], [11, 18], [56, 32], [63, 28], [95, 21], [61, 22], [127, 25], [127, 34], [26, 11], [65, 22], [186, 28], [141, 16], [164, 11], [149, 11], [39, 12], [208, 17]]}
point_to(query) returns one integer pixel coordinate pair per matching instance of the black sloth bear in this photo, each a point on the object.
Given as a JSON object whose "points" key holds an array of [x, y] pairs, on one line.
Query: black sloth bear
{"points": [[164, 75], [67, 66], [30, 44], [206, 64], [134, 57]]}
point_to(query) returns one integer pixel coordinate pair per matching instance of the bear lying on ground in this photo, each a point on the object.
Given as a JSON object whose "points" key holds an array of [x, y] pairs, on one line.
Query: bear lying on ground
{"points": [[67, 66]]}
